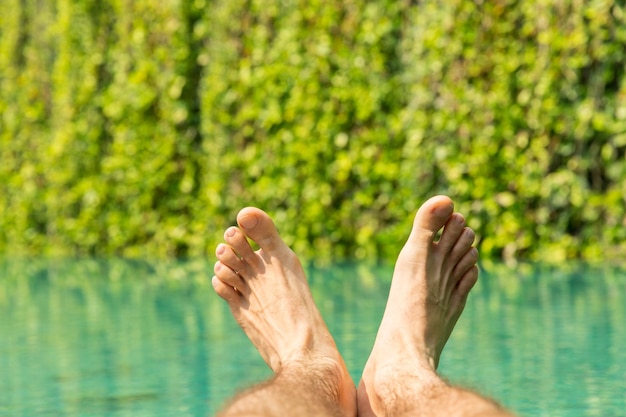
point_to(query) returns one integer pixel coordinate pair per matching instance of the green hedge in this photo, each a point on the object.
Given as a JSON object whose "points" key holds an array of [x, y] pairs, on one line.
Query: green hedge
{"points": [[140, 128]]}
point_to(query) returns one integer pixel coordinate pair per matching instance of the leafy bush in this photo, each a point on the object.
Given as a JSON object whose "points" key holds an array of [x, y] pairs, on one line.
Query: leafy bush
{"points": [[140, 128]]}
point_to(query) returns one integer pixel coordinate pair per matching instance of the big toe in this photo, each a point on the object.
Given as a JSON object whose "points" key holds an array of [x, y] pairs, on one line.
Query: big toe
{"points": [[259, 227], [431, 217]]}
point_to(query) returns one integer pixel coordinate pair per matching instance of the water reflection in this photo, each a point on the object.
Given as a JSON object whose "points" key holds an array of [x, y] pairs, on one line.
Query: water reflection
{"points": [[122, 338]]}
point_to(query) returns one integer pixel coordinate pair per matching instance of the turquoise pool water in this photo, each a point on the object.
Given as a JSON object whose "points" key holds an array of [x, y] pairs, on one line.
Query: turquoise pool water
{"points": [[129, 338]]}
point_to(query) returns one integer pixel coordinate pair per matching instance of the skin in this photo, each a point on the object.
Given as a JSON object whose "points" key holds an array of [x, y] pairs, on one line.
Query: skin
{"points": [[430, 285], [269, 297]]}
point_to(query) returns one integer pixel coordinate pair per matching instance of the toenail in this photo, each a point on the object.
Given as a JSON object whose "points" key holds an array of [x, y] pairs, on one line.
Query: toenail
{"points": [[220, 249], [230, 232], [248, 222]]}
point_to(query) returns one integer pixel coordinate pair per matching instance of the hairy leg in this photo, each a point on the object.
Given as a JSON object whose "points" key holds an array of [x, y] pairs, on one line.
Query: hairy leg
{"points": [[268, 295], [430, 285]]}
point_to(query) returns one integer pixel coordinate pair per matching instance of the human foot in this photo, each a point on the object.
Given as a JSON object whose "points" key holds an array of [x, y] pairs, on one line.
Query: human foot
{"points": [[269, 297], [430, 285]]}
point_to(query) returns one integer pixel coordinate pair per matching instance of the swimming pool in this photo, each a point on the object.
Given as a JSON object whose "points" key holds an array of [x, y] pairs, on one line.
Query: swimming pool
{"points": [[133, 338]]}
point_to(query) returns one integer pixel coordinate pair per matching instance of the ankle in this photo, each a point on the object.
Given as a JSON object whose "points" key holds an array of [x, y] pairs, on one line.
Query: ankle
{"points": [[321, 374], [389, 388], [325, 379]]}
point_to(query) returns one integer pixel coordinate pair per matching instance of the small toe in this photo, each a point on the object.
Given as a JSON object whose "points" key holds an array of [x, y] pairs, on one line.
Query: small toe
{"points": [[227, 256], [465, 263], [229, 277], [225, 291], [239, 243], [452, 231], [462, 245], [466, 283], [462, 290]]}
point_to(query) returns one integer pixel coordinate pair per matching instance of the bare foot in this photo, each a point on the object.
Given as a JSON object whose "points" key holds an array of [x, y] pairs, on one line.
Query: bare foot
{"points": [[430, 285], [269, 297]]}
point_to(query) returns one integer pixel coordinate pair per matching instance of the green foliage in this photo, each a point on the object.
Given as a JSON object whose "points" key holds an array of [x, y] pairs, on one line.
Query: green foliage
{"points": [[140, 128]]}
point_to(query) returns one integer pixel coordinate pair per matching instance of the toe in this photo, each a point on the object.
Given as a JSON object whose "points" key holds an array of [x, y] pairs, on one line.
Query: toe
{"points": [[431, 217], [226, 255], [465, 263], [238, 242], [229, 277], [259, 227], [225, 291], [466, 283], [462, 245], [451, 232]]}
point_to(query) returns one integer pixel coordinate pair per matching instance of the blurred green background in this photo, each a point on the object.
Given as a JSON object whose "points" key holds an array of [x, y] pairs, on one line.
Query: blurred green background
{"points": [[139, 128]]}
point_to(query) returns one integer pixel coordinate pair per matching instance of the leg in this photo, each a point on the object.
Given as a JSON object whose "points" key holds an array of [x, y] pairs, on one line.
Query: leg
{"points": [[269, 297], [430, 286]]}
